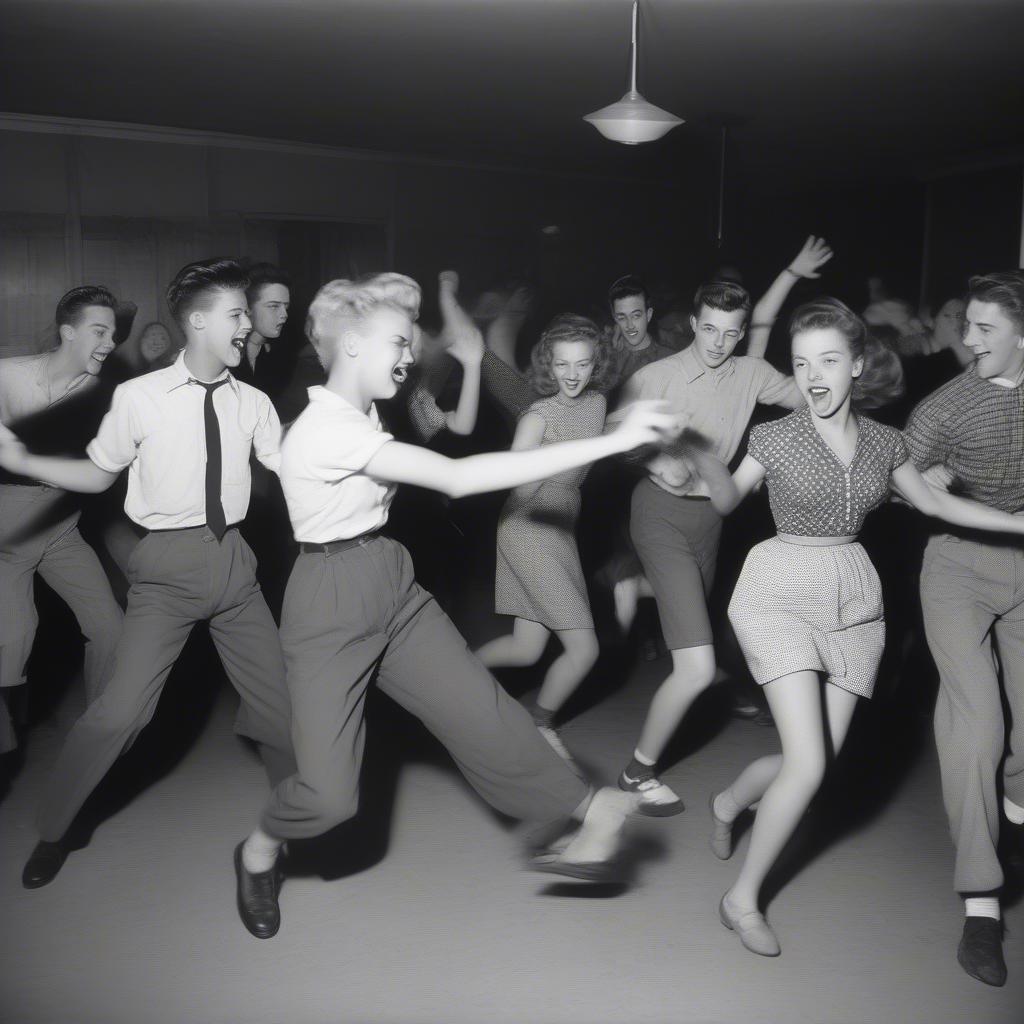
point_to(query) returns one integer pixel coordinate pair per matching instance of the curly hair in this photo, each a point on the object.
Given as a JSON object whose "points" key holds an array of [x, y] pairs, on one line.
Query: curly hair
{"points": [[571, 327], [344, 304], [881, 379]]}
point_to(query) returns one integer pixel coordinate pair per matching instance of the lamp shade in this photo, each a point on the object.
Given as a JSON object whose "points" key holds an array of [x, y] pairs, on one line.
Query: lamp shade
{"points": [[633, 120]]}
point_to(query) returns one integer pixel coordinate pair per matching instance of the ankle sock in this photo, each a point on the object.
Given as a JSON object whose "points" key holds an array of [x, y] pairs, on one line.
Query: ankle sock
{"points": [[542, 717], [638, 770], [1014, 812], [259, 853], [982, 906]]}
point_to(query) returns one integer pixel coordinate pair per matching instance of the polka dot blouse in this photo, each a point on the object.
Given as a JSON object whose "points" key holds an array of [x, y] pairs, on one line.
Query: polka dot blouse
{"points": [[812, 494]]}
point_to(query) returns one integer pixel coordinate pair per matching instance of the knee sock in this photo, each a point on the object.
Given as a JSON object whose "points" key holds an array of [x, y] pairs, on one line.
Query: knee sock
{"points": [[982, 906], [1014, 812]]}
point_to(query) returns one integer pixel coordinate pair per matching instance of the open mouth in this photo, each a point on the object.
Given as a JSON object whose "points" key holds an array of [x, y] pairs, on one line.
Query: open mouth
{"points": [[238, 343], [101, 353], [399, 374], [819, 394]]}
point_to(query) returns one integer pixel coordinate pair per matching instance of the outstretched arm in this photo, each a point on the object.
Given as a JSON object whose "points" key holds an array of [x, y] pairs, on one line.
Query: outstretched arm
{"points": [[70, 474], [807, 264], [913, 488], [646, 423]]}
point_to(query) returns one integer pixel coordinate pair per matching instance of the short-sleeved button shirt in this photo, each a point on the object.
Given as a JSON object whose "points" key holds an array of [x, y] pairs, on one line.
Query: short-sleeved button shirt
{"points": [[811, 492], [719, 402], [323, 458], [156, 428]]}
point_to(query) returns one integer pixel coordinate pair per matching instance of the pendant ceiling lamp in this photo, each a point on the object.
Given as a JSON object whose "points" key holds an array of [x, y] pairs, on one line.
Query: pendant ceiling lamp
{"points": [[633, 120]]}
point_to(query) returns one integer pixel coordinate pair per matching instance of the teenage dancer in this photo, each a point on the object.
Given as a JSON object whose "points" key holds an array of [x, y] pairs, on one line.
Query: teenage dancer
{"points": [[185, 435], [808, 603], [674, 525], [266, 363], [972, 593], [624, 570], [354, 613], [539, 579], [38, 523]]}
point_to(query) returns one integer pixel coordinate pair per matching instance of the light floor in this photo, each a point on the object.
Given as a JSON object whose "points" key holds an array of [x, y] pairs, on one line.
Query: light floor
{"points": [[428, 915]]}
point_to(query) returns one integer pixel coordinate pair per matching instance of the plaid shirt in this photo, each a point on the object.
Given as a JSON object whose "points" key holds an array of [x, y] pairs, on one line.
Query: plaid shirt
{"points": [[976, 430]]}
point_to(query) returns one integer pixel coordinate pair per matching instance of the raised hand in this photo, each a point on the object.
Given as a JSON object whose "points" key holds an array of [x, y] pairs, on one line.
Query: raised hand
{"points": [[518, 305], [811, 258], [459, 334]]}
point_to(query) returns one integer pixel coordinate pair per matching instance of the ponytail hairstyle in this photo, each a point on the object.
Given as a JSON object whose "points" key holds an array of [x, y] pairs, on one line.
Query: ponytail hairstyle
{"points": [[881, 378], [570, 327]]}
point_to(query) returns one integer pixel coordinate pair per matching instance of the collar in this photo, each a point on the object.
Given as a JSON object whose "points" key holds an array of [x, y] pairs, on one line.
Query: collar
{"points": [[323, 395], [694, 368], [180, 375], [43, 376]]}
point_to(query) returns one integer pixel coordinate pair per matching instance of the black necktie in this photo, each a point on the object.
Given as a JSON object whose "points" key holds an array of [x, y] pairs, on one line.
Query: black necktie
{"points": [[214, 509]]}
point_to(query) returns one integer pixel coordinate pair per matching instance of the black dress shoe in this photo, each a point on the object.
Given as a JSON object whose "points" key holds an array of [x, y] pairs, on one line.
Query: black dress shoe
{"points": [[257, 898], [43, 864], [981, 950]]}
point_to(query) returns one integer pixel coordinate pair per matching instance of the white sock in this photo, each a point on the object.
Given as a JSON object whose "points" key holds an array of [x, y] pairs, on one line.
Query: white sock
{"points": [[644, 759], [260, 852], [1014, 812], [598, 838], [983, 906]]}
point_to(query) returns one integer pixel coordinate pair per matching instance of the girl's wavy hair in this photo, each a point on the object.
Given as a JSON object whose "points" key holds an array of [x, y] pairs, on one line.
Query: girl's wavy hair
{"points": [[881, 379], [571, 327], [344, 305]]}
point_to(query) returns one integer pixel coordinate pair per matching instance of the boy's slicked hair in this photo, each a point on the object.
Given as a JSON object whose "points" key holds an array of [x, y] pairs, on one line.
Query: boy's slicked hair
{"points": [[71, 304], [194, 285], [726, 296], [261, 274], [344, 305], [1004, 288], [625, 288]]}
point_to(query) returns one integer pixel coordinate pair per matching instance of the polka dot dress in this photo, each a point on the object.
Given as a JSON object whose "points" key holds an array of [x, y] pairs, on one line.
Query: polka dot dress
{"points": [[797, 607], [538, 575]]}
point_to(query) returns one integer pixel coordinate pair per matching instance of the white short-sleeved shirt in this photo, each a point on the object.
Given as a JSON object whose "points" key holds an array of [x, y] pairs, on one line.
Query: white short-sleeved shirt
{"points": [[155, 428], [322, 461]]}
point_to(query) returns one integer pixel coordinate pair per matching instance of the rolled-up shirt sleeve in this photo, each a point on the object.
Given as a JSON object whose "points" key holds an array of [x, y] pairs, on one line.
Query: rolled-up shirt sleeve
{"points": [[116, 443]]}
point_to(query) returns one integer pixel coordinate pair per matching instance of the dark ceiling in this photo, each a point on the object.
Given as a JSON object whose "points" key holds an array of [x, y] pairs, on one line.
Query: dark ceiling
{"points": [[826, 91]]}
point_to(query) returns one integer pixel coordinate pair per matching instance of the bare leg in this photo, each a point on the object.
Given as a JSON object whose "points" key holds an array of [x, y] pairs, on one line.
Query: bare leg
{"points": [[570, 668], [754, 780], [521, 648], [693, 670], [795, 701]]}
